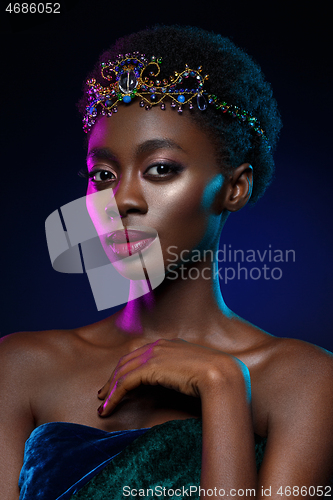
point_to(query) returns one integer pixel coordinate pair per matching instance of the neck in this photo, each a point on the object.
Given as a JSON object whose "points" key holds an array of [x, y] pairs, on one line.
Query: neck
{"points": [[187, 304]]}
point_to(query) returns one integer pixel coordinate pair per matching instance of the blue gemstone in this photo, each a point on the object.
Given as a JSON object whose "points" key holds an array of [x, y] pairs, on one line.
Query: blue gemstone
{"points": [[181, 98], [127, 98], [92, 110], [108, 103]]}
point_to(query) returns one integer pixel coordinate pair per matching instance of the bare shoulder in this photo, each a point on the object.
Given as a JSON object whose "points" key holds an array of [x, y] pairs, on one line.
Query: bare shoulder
{"points": [[37, 358], [293, 359], [279, 362], [26, 345], [24, 354]]}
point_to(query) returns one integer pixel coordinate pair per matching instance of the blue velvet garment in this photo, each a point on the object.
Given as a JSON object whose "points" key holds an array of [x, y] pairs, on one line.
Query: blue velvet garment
{"points": [[77, 462], [61, 457]]}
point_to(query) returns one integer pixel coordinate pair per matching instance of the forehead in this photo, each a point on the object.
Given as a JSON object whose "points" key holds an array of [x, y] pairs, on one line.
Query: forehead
{"points": [[132, 126]]}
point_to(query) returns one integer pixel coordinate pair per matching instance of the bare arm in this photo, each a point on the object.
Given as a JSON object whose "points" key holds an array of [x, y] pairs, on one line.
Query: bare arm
{"points": [[16, 420], [299, 453], [228, 451]]}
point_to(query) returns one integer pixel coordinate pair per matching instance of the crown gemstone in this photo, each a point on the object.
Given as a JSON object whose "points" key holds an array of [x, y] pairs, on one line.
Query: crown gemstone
{"points": [[181, 98], [93, 111], [127, 98], [201, 102], [127, 82]]}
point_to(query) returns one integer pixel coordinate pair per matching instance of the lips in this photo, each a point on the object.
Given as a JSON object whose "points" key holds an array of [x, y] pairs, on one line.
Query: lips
{"points": [[126, 242], [129, 236]]}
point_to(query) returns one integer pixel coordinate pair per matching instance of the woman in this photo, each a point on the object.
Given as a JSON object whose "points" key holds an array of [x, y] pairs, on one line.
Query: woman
{"points": [[175, 352]]}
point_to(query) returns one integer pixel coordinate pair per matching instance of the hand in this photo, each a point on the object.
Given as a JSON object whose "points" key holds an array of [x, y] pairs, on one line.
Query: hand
{"points": [[174, 364]]}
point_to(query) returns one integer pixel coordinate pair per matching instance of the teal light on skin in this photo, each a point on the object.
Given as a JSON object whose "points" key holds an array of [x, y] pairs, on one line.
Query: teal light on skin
{"points": [[212, 188], [214, 227]]}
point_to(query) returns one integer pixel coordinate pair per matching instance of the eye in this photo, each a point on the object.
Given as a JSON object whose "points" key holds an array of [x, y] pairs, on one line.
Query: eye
{"points": [[101, 176], [163, 169]]}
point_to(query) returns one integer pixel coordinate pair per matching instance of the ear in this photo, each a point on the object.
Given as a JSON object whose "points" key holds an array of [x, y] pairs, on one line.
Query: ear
{"points": [[238, 188]]}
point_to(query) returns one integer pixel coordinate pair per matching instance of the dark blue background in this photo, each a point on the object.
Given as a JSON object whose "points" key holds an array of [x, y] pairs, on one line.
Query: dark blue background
{"points": [[45, 62]]}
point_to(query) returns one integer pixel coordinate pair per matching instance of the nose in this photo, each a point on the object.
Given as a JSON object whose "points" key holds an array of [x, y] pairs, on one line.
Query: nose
{"points": [[128, 199]]}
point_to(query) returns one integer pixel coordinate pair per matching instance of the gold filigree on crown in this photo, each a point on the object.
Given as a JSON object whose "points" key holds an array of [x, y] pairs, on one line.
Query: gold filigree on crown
{"points": [[134, 76]]}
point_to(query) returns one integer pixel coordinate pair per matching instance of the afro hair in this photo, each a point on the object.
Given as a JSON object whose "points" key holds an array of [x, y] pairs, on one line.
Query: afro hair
{"points": [[233, 76]]}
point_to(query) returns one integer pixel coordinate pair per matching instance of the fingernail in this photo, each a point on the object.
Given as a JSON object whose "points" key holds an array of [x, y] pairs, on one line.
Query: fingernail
{"points": [[100, 409], [100, 391]]}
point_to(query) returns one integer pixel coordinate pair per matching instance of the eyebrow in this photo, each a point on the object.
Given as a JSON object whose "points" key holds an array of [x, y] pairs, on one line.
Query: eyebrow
{"points": [[153, 144], [145, 147], [101, 154]]}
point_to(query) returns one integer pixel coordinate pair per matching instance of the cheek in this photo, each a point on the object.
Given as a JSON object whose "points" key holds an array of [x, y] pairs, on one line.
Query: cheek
{"points": [[187, 214]]}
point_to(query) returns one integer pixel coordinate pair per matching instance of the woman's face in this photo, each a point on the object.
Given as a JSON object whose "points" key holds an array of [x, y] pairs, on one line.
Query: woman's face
{"points": [[164, 181]]}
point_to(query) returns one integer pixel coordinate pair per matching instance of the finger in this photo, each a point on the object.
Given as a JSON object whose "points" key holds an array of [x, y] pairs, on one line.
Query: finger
{"points": [[134, 354], [103, 392], [122, 361], [120, 388], [120, 373]]}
